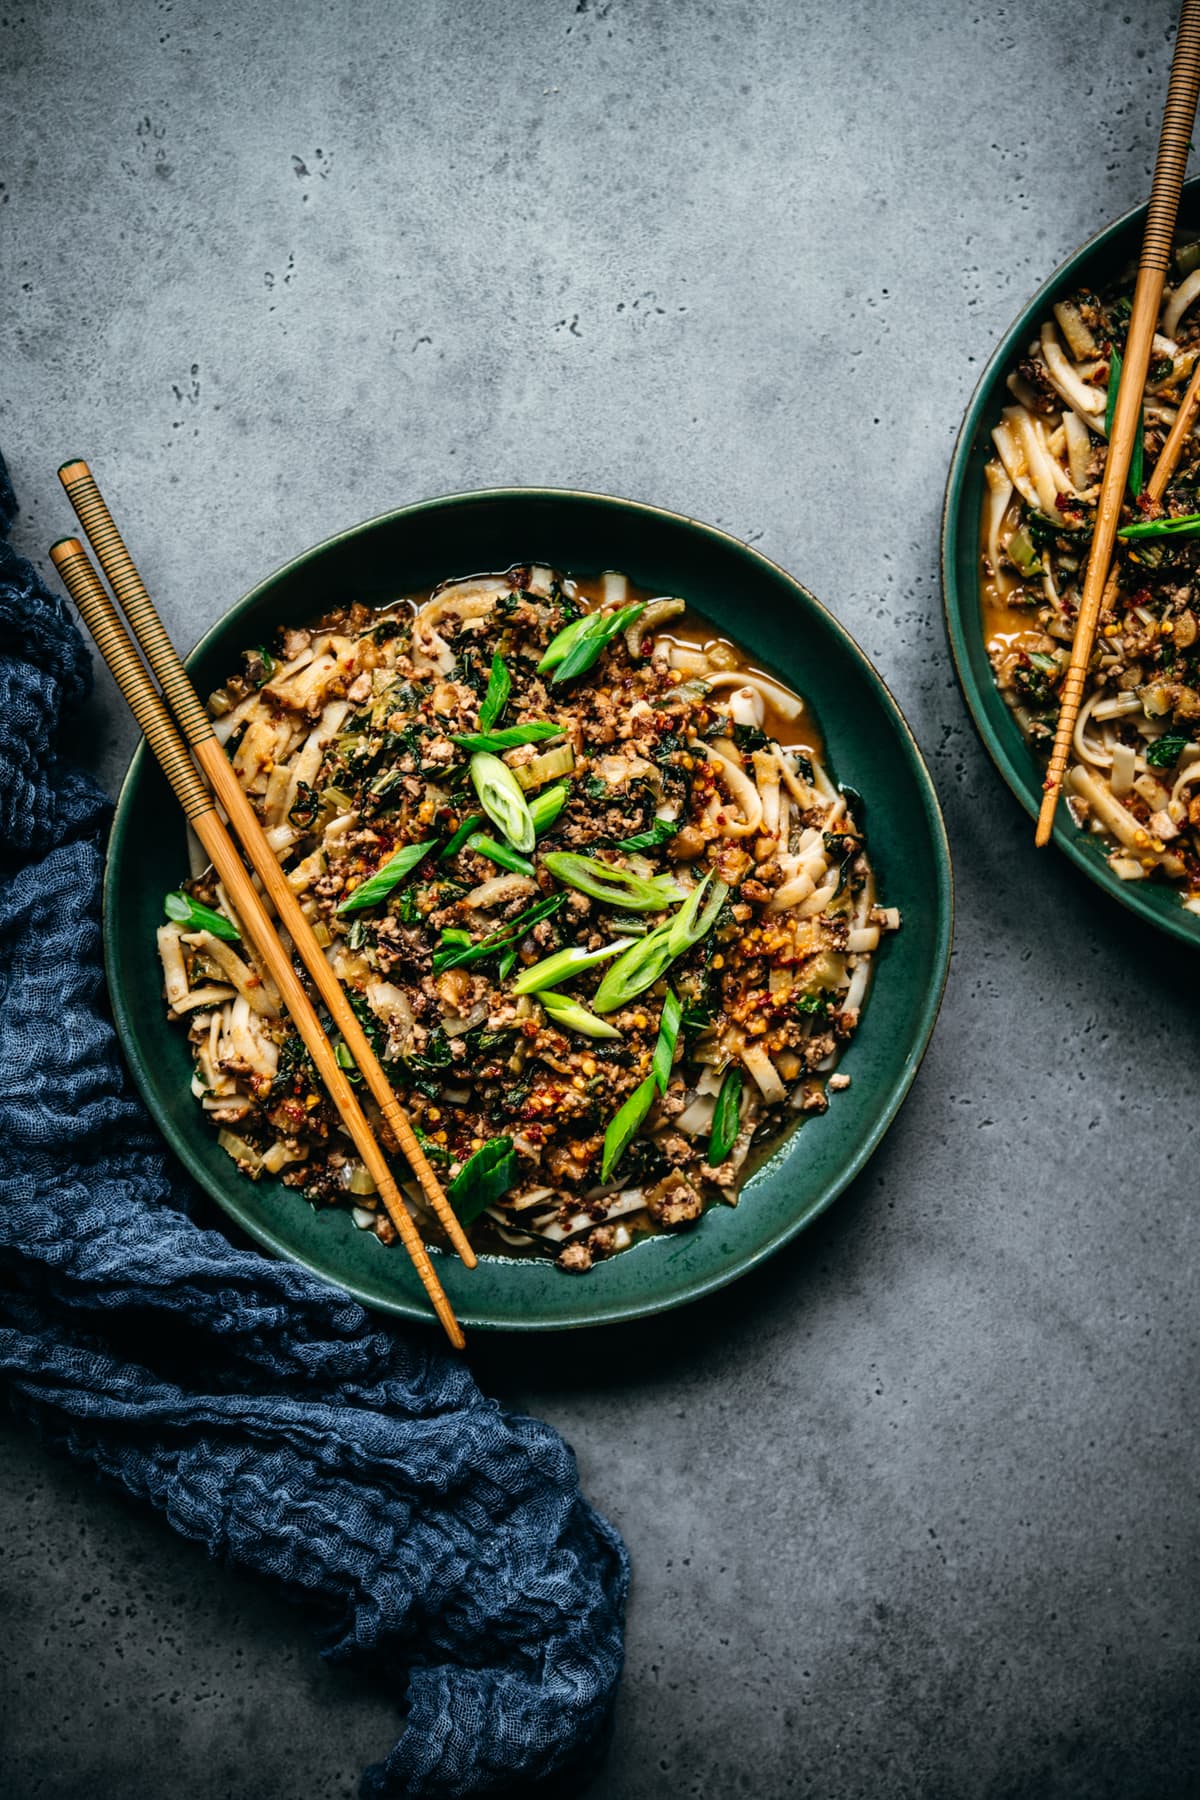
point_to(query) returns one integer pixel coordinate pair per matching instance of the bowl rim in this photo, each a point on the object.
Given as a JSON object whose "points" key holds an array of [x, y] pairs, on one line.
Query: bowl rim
{"points": [[1002, 747], [616, 1312]]}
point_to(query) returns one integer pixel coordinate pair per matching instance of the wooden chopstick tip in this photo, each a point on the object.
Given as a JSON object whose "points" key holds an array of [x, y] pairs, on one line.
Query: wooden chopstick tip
{"points": [[64, 550], [73, 470]]}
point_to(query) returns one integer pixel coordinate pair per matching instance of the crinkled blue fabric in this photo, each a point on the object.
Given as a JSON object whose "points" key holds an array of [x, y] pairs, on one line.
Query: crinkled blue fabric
{"points": [[441, 1540]]}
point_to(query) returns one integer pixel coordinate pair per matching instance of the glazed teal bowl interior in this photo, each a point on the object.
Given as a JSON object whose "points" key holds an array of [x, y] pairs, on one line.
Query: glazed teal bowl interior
{"points": [[1099, 262], [869, 745]]}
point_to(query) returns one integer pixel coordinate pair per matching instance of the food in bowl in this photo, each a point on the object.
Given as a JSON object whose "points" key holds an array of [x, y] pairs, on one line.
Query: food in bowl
{"points": [[1134, 777], [594, 896]]}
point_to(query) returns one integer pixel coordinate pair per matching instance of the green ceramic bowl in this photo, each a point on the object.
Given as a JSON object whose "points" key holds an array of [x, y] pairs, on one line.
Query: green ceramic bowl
{"points": [[869, 746], [1100, 261]]}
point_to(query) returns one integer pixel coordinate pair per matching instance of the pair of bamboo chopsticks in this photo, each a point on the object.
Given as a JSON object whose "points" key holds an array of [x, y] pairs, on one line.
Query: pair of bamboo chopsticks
{"points": [[199, 802], [1179, 115]]}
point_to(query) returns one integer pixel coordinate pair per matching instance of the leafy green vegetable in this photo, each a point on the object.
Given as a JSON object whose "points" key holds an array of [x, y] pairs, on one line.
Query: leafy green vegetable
{"points": [[817, 1004], [499, 853], [494, 701], [345, 1061], [660, 831], [1166, 751], [453, 934], [510, 737], [483, 1179], [560, 967], [1022, 554], [501, 937], [378, 886], [265, 665], [1049, 665], [565, 1011], [185, 911], [726, 1117], [436, 1055], [616, 887], [668, 1033], [624, 1126], [1184, 525], [502, 800]]}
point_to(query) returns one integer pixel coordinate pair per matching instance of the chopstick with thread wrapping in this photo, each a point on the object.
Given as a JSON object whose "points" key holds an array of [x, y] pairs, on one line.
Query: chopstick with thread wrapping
{"points": [[1157, 244], [196, 726], [147, 705]]}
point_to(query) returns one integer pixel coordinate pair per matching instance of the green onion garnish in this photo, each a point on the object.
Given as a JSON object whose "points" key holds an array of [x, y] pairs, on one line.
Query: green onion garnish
{"points": [[510, 737], [183, 910], [499, 853], [641, 966], [345, 1061], [1183, 525], [453, 934], [616, 887], [502, 800], [496, 698], [726, 1117], [545, 807], [578, 645], [623, 1127], [483, 1179], [501, 938], [461, 835], [560, 967], [1115, 370], [565, 1011], [668, 1032], [378, 886], [686, 927], [562, 641]]}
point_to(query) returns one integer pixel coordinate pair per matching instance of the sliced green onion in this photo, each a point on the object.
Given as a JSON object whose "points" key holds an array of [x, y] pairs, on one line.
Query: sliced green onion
{"points": [[495, 700], [726, 1117], [668, 1032], [565, 1011], [499, 853], [588, 646], [453, 934], [505, 965], [483, 1179], [185, 911], [560, 967], [1115, 371], [638, 969], [616, 887], [510, 737], [501, 937], [545, 807], [345, 1061], [686, 927], [461, 835], [502, 800], [379, 885], [624, 1126], [1184, 525], [563, 641], [660, 831]]}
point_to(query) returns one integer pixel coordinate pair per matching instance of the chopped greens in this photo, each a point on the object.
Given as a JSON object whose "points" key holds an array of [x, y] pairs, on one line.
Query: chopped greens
{"points": [[494, 701], [483, 1179], [553, 970], [565, 1011], [502, 800], [659, 833], [624, 1126], [500, 938], [668, 1035], [508, 739], [616, 887], [499, 853], [589, 637], [1166, 751]]}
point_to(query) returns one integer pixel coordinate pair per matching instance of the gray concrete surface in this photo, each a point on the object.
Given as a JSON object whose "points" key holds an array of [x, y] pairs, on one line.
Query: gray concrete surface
{"points": [[912, 1512]]}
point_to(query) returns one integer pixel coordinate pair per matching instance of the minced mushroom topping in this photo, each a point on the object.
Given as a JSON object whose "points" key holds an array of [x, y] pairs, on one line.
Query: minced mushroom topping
{"points": [[599, 907]]}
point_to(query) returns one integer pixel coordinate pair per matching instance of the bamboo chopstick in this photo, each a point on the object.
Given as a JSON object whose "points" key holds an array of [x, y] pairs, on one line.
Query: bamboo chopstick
{"points": [[147, 705], [194, 721], [1157, 244]]}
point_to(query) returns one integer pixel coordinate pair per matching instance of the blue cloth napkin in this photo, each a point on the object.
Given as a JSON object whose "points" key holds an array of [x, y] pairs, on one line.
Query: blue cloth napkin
{"points": [[439, 1539]]}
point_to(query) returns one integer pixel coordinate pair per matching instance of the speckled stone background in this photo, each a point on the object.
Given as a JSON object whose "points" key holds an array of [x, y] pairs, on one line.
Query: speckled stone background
{"points": [[913, 1511]]}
